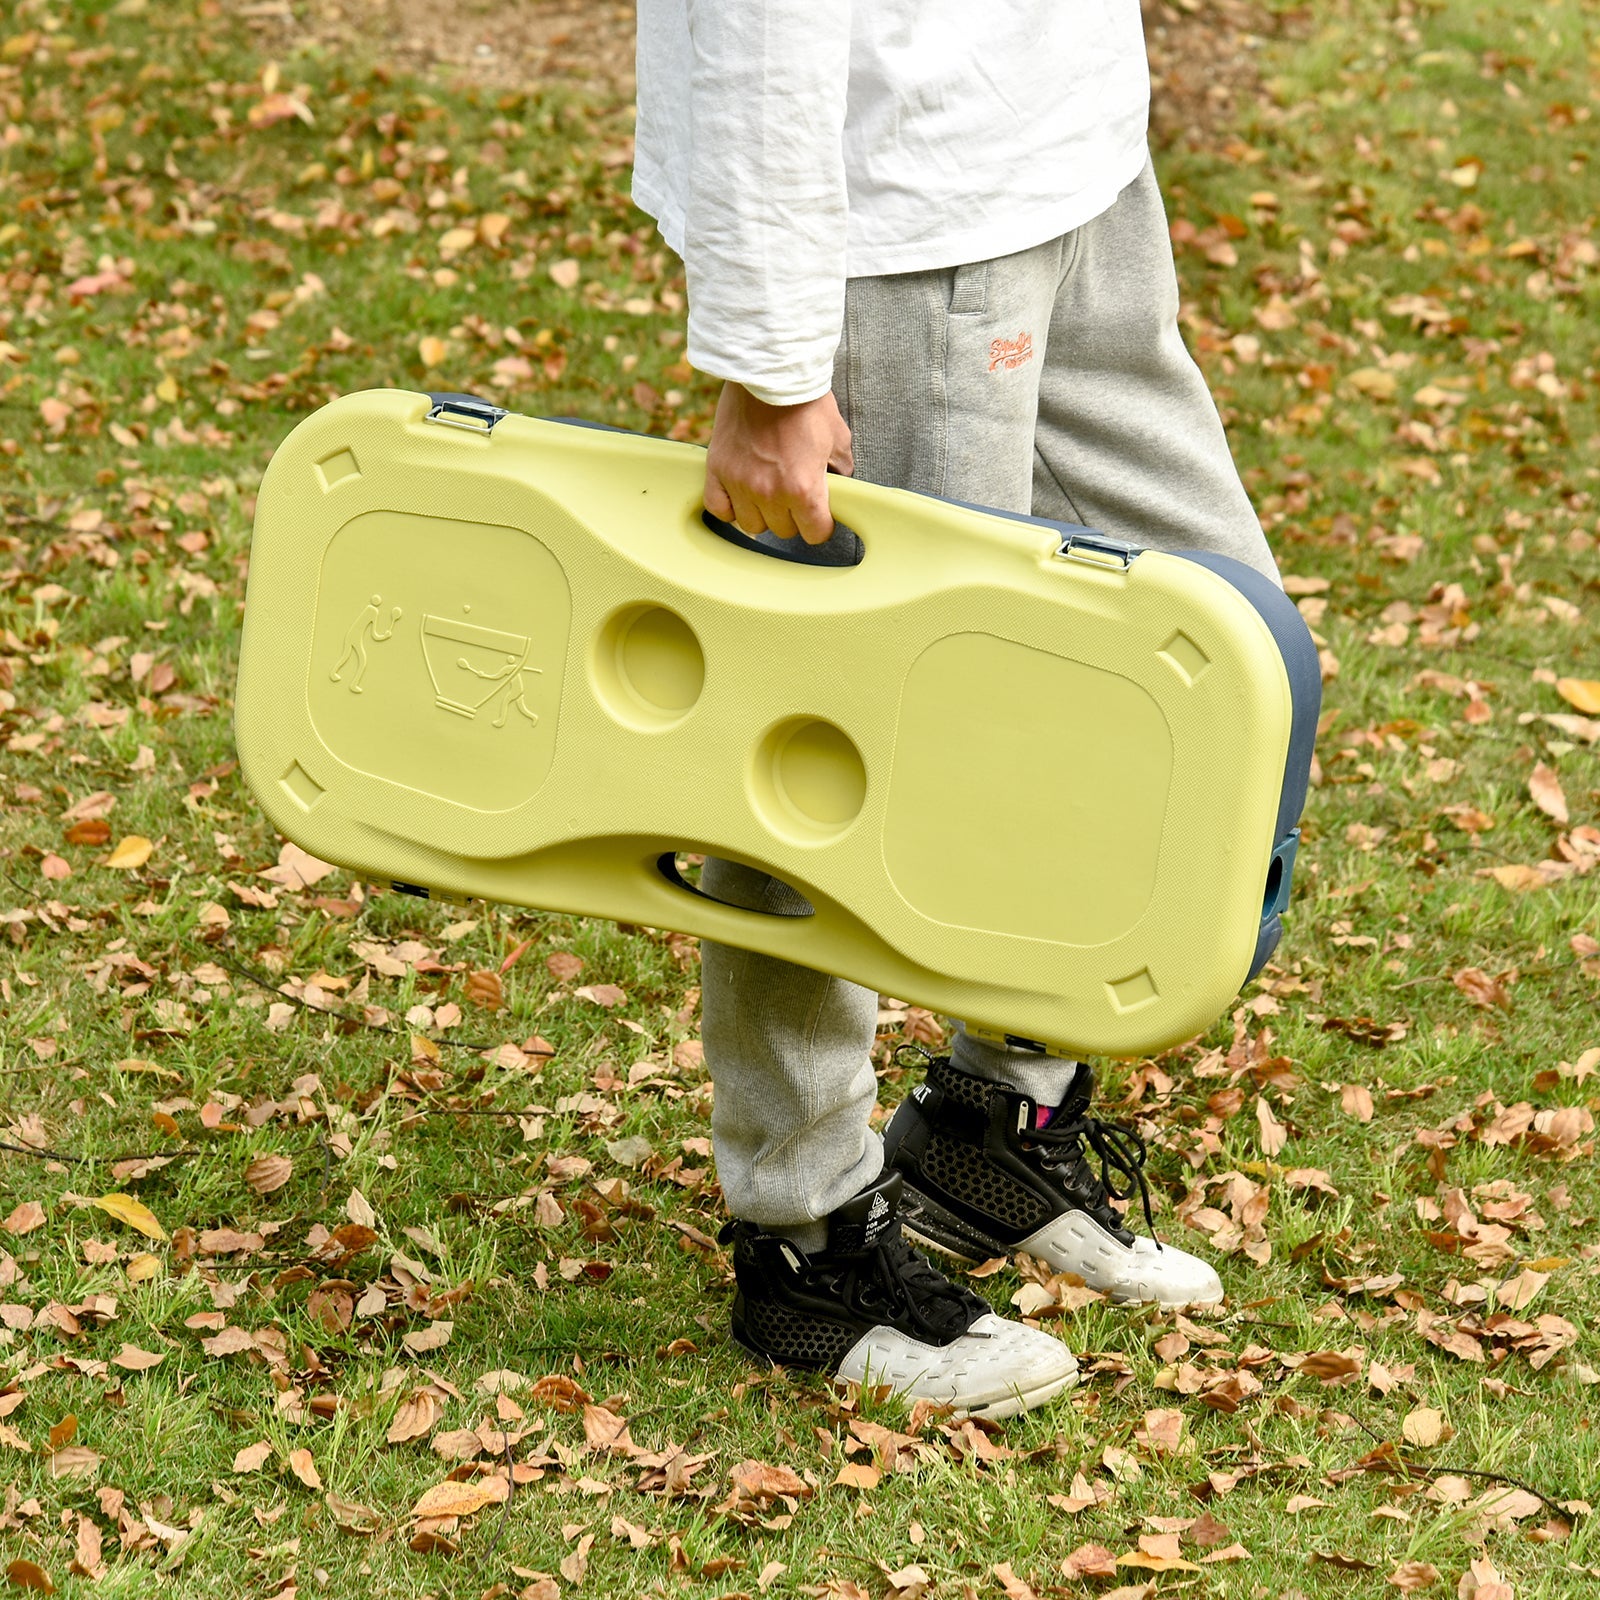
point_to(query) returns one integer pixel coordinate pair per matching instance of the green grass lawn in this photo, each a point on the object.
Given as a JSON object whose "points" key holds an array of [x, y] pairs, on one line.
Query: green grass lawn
{"points": [[367, 1256]]}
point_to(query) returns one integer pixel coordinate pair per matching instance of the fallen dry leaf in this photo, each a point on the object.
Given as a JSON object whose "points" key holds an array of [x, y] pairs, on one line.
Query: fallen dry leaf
{"points": [[265, 1174], [88, 1559], [1089, 1561], [858, 1475], [304, 1467], [133, 1212], [1424, 1427], [1355, 1099], [132, 1359], [1412, 1575], [1481, 989], [76, 1461], [1582, 694], [1545, 787], [1482, 1581], [450, 1499], [1274, 1136], [353, 1517], [414, 1417], [24, 1218], [129, 854], [433, 1337], [253, 1457], [30, 1575]]}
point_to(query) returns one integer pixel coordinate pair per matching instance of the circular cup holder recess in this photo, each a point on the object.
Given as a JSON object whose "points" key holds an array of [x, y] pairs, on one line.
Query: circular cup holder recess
{"points": [[648, 668], [808, 782]]}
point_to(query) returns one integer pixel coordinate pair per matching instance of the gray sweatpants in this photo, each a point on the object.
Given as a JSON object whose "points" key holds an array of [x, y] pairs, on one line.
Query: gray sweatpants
{"points": [[1053, 381]]}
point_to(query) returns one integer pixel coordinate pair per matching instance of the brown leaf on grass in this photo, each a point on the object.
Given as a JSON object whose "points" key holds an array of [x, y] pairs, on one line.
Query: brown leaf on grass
{"points": [[87, 1560], [575, 1564], [1482, 1581], [129, 854], [451, 1499], [760, 1481], [64, 1432], [1518, 1291], [296, 869], [1356, 1101], [253, 1457], [229, 1241], [76, 1461], [1582, 694], [602, 994], [859, 1475], [605, 1430], [133, 1212], [30, 1575], [331, 1306], [230, 1342], [1329, 1365], [1545, 788], [559, 1392], [1160, 1431], [304, 1467], [1157, 1552], [57, 869], [1424, 1427], [352, 1517], [132, 1359], [1412, 1575], [1273, 1135], [486, 989], [1089, 1561], [94, 832], [563, 965], [1013, 1587], [24, 1218], [268, 1173], [459, 1444], [414, 1417], [433, 1337], [1481, 989]]}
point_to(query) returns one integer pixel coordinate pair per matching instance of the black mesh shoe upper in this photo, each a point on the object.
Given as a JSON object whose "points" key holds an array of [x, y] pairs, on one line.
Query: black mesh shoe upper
{"points": [[804, 1309], [973, 1147]]}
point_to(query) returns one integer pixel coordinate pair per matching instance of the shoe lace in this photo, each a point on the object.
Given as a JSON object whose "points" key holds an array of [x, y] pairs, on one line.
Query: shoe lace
{"points": [[1120, 1149], [894, 1277]]}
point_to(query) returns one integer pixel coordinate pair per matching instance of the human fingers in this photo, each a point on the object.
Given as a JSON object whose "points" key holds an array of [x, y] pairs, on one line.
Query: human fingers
{"points": [[747, 514], [812, 515], [781, 521], [717, 499]]}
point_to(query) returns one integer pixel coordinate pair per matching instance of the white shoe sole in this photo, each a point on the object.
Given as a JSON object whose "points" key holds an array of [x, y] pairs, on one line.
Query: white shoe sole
{"points": [[998, 1368], [1073, 1242]]}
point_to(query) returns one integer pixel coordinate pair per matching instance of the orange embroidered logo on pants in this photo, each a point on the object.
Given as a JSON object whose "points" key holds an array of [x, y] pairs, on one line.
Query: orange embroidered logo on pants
{"points": [[1009, 353]]}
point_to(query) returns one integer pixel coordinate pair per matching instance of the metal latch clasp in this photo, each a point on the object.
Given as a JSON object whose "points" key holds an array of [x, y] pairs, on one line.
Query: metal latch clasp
{"points": [[465, 411], [1098, 549]]}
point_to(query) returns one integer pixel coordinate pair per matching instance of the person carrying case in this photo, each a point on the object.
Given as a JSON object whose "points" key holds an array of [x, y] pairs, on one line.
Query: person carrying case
{"points": [[491, 656]]}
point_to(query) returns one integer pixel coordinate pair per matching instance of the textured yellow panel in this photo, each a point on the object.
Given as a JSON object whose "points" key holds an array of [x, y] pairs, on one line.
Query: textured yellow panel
{"points": [[1035, 793]]}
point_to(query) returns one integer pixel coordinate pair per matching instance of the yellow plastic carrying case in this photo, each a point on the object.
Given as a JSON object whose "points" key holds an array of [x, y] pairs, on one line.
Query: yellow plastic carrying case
{"points": [[1022, 774]]}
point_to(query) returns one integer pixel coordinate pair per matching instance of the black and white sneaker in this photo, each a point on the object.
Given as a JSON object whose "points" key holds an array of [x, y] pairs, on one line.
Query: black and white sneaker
{"points": [[871, 1310], [988, 1171]]}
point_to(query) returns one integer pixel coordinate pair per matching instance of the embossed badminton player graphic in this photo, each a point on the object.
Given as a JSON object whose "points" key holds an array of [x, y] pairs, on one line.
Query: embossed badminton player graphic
{"points": [[504, 658], [362, 631]]}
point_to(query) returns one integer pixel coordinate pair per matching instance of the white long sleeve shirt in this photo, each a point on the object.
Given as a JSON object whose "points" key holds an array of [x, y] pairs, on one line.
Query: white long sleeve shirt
{"points": [[785, 145]]}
